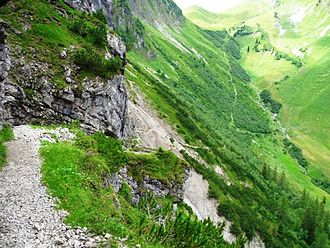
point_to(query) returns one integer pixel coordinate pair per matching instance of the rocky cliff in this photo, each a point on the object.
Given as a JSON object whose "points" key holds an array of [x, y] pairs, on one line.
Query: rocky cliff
{"points": [[119, 17], [124, 16], [28, 93], [121, 13], [157, 12]]}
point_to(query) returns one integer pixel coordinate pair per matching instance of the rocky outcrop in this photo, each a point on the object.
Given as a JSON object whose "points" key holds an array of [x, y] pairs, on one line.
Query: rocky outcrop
{"points": [[140, 189], [4, 67], [125, 16], [157, 12], [94, 5], [118, 46], [28, 94]]}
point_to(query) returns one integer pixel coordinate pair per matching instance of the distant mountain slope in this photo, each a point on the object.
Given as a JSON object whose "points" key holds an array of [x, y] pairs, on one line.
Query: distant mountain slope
{"points": [[301, 29], [248, 11], [193, 78], [286, 21]]}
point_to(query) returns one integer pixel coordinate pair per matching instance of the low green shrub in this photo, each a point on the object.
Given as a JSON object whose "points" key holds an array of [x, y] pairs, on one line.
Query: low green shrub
{"points": [[269, 102], [296, 153], [99, 35], [91, 61], [79, 27], [6, 134], [100, 16], [162, 165]]}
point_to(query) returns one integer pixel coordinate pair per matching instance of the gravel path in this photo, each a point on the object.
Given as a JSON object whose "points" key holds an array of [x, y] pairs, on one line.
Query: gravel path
{"points": [[28, 217]]}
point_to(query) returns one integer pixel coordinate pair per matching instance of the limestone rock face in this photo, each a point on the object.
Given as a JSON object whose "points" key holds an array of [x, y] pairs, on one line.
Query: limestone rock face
{"points": [[158, 12], [140, 189], [117, 45], [94, 5], [28, 95]]}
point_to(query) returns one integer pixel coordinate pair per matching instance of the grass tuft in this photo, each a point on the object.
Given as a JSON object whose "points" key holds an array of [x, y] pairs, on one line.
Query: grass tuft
{"points": [[6, 134]]}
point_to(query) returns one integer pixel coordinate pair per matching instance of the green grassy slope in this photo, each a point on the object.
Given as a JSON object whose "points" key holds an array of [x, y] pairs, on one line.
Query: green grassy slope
{"points": [[6, 134], [301, 29], [249, 12], [74, 171], [192, 78], [306, 97]]}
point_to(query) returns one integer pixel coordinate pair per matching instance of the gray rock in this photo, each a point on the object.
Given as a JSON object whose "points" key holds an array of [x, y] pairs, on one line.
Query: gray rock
{"points": [[117, 45], [68, 95], [63, 54], [67, 75], [139, 189], [4, 52], [94, 5], [32, 97], [89, 244], [36, 226]]}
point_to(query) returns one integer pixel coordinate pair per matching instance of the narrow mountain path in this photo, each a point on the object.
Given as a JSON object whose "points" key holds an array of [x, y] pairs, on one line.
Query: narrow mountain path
{"points": [[28, 217]]}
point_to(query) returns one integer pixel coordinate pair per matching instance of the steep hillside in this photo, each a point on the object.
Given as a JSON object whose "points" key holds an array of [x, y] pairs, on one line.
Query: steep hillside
{"points": [[253, 176], [193, 79], [297, 30], [59, 65]]}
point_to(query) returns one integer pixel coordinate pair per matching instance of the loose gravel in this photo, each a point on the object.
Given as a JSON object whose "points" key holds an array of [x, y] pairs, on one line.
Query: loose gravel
{"points": [[28, 215]]}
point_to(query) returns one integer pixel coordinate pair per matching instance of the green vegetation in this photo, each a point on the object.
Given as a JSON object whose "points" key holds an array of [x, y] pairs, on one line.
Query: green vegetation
{"points": [[306, 113], [50, 31], [97, 34], [128, 27], [192, 82], [6, 134], [89, 60], [299, 85], [162, 165], [305, 217], [224, 127], [75, 173], [269, 102], [296, 153], [262, 43]]}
